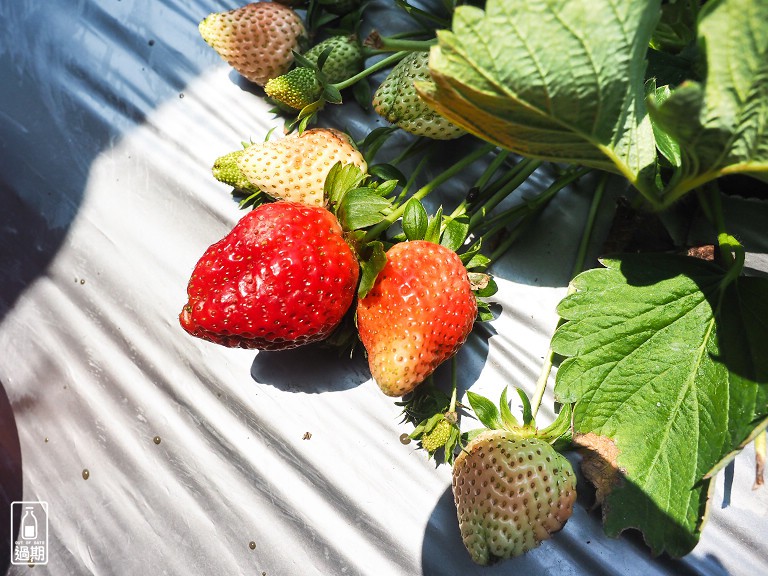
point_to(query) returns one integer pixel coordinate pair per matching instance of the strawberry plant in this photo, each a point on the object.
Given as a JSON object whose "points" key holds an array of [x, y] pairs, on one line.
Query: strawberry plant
{"points": [[660, 359]]}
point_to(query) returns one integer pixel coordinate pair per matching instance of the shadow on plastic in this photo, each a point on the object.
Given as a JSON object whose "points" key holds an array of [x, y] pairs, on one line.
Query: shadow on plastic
{"points": [[580, 548], [11, 484]]}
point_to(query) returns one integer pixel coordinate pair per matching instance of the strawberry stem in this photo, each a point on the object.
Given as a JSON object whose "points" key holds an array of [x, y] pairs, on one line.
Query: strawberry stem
{"points": [[521, 172], [379, 65], [390, 44], [578, 266], [422, 192], [454, 383]]}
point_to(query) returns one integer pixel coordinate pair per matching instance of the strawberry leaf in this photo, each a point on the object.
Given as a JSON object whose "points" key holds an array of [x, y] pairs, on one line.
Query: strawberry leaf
{"points": [[485, 410], [433, 228], [362, 207], [580, 99], [341, 179], [527, 411], [415, 220], [455, 232], [667, 362], [370, 267], [506, 414], [720, 124]]}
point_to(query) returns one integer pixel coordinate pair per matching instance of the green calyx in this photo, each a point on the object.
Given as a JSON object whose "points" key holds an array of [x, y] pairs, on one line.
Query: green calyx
{"points": [[296, 89], [500, 417]]}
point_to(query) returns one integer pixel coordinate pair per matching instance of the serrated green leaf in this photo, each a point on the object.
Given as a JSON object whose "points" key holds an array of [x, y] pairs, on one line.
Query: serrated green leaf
{"points": [[488, 290], [579, 99], [484, 313], [415, 220], [671, 366], [677, 26], [370, 268], [666, 144], [720, 124], [478, 261], [385, 188], [341, 179], [362, 207], [455, 233], [485, 410]]}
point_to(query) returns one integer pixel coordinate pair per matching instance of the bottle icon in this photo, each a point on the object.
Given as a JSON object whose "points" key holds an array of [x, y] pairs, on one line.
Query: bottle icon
{"points": [[29, 524]]}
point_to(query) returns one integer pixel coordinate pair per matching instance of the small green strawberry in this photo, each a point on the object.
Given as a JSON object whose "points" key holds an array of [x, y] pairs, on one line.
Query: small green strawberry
{"points": [[511, 493], [344, 61], [397, 101], [283, 277], [295, 89], [294, 167], [257, 39], [418, 313], [437, 437]]}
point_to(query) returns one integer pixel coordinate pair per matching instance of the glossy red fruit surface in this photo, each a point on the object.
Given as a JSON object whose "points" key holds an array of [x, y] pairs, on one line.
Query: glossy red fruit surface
{"points": [[283, 277]]}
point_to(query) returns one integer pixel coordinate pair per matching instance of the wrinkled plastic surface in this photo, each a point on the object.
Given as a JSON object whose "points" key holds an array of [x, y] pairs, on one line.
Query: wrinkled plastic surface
{"points": [[205, 460]]}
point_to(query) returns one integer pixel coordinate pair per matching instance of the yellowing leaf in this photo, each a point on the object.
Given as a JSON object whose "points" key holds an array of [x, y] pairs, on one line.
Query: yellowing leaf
{"points": [[501, 75]]}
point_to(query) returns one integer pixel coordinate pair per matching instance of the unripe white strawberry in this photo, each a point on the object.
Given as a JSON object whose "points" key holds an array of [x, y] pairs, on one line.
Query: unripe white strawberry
{"points": [[398, 102], [294, 167], [257, 39], [511, 493]]}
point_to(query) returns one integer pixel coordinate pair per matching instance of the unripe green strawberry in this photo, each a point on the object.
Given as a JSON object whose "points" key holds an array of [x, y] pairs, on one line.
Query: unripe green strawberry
{"points": [[344, 61], [397, 101], [418, 313], [257, 39], [296, 89], [283, 277], [511, 493], [437, 437], [294, 167]]}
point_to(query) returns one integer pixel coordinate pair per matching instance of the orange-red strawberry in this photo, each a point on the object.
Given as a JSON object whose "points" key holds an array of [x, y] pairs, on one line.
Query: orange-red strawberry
{"points": [[257, 39], [283, 277], [294, 168], [418, 313], [511, 493]]}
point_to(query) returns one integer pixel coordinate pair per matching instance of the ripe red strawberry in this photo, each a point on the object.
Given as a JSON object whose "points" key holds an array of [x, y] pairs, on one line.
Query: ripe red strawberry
{"points": [[511, 493], [257, 39], [398, 102], [283, 277], [418, 313], [294, 168]]}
